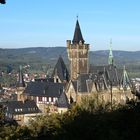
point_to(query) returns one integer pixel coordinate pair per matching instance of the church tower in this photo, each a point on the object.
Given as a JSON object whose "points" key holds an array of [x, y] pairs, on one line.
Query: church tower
{"points": [[77, 54]]}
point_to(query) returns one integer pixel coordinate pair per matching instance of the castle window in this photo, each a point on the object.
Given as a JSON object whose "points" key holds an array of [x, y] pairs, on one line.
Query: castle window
{"points": [[57, 80], [51, 99], [39, 98]]}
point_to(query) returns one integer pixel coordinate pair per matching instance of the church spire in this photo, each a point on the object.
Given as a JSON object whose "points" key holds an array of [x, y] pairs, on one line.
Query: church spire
{"points": [[125, 79], [21, 80], [110, 58], [77, 34]]}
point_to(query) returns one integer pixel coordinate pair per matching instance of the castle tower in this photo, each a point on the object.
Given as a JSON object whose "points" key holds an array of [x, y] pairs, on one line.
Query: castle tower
{"points": [[20, 85], [110, 58], [77, 54]]}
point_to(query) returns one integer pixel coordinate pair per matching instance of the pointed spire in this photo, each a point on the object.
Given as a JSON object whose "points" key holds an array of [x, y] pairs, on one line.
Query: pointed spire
{"points": [[21, 80], [110, 58], [125, 79], [77, 34], [60, 70]]}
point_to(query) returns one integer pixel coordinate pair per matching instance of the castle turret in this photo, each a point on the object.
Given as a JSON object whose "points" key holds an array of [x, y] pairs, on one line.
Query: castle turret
{"points": [[78, 53]]}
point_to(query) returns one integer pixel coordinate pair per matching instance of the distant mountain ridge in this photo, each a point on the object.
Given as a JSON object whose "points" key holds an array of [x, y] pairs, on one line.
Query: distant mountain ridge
{"points": [[49, 55], [52, 53]]}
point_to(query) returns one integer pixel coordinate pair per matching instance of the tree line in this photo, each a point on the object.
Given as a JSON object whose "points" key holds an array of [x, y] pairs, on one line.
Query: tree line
{"points": [[87, 120]]}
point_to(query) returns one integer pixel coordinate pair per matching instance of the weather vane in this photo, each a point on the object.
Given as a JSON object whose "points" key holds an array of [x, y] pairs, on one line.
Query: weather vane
{"points": [[77, 16]]}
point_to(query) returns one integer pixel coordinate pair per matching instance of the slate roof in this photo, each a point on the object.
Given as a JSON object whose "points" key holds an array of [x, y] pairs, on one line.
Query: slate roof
{"points": [[85, 82], [82, 85], [62, 101], [97, 69], [19, 107], [77, 34], [61, 70], [48, 79], [44, 89], [110, 73]]}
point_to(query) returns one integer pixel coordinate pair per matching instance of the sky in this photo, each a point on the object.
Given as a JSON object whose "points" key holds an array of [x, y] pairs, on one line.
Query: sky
{"points": [[49, 23]]}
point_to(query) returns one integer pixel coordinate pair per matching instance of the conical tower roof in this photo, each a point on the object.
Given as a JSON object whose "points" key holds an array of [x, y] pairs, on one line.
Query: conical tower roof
{"points": [[77, 34]]}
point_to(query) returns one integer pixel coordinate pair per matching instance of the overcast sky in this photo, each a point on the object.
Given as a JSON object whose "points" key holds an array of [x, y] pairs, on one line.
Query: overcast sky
{"points": [[48, 23]]}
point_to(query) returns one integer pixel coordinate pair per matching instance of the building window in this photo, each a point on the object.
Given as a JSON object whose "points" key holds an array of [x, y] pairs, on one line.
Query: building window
{"points": [[54, 99], [57, 80], [39, 98], [51, 99]]}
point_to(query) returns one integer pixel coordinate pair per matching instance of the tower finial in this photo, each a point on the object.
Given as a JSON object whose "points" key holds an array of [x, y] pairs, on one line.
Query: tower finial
{"points": [[77, 17]]}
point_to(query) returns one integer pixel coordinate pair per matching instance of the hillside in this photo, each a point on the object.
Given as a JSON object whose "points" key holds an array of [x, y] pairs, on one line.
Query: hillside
{"points": [[40, 56]]}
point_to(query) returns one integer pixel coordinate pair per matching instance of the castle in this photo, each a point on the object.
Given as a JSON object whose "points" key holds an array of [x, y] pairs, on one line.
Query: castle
{"points": [[56, 93], [105, 82]]}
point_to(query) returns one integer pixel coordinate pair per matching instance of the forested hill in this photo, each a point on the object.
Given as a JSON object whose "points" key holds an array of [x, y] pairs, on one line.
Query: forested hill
{"points": [[49, 55], [52, 53]]}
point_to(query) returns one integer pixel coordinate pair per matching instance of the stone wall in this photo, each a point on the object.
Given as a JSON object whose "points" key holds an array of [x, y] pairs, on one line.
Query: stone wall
{"points": [[116, 97]]}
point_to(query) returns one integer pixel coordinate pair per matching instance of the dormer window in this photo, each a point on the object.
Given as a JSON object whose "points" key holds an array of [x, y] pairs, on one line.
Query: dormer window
{"points": [[57, 80]]}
